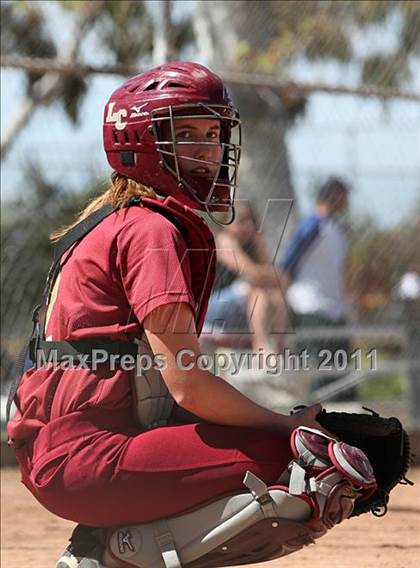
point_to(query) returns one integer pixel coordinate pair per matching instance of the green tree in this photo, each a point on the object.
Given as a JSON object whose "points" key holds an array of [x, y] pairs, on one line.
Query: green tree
{"points": [[378, 258], [271, 37], [123, 31], [25, 32]]}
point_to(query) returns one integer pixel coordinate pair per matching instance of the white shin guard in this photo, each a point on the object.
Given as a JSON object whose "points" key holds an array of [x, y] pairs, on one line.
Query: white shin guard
{"points": [[326, 477], [183, 539]]}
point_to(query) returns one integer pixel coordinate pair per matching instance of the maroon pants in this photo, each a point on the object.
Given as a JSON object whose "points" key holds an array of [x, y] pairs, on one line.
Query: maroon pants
{"points": [[81, 469]]}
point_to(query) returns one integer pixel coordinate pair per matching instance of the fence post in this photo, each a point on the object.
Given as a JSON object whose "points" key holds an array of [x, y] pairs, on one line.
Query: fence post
{"points": [[412, 332]]}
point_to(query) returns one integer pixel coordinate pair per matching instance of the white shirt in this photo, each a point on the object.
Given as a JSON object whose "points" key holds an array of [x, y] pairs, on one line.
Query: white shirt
{"points": [[315, 260]]}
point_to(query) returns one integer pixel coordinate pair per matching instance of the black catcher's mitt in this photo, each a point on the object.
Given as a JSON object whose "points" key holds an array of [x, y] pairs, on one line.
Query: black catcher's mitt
{"points": [[387, 446]]}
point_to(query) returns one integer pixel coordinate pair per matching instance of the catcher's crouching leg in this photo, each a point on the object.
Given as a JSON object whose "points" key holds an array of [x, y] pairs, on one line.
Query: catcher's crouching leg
{"points": [[318, 492]]}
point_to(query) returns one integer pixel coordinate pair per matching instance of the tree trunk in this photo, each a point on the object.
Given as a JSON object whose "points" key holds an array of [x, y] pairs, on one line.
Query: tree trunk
{"points": [[265, 172], [162, 45]]}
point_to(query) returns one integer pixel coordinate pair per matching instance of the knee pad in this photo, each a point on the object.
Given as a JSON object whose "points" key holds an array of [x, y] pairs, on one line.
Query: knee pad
{"points": [[323, 481]]}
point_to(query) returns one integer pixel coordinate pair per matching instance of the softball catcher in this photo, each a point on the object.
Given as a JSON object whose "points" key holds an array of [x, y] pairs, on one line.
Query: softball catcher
{"points": [[163, 467]]}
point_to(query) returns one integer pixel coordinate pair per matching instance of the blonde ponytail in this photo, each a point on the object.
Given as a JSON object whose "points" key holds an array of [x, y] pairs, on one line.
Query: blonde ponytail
{"points": [[118, 194]]}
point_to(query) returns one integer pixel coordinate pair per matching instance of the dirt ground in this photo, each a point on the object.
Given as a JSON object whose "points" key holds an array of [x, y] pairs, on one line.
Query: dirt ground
{"points": [[33, 538]]}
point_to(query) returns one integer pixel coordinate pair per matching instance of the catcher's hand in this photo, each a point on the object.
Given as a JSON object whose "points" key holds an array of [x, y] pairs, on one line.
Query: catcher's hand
{"points": [[387, 446]]}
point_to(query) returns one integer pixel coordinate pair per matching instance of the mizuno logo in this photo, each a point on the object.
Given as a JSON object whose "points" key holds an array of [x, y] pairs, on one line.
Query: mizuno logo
{"points": [[136, 111]]}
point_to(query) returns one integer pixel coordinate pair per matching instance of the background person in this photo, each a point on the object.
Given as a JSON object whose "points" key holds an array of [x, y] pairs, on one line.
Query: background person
{"points": [[248, 296], [314, 261]]}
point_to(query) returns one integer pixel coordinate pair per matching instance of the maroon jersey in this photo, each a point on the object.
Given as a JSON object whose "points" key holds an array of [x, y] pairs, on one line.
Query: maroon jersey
{"points": [[133, 262]]}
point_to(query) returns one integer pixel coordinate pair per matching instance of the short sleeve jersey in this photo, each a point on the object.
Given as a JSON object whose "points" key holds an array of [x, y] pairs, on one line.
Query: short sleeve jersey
{"points": [[133, 262]]}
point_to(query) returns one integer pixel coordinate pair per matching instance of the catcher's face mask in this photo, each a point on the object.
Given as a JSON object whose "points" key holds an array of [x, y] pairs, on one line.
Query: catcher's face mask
{"points": [[140, 136], [200, 147]]}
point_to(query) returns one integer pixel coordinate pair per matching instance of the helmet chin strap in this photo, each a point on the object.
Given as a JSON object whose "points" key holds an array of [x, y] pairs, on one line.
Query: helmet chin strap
{"points": [[206, 212], [209, 217], [206, 204], [218, 221], [183, 185]]}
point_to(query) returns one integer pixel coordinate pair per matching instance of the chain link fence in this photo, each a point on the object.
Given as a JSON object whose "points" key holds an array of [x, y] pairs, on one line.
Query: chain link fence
{"points": [[294, 69]]}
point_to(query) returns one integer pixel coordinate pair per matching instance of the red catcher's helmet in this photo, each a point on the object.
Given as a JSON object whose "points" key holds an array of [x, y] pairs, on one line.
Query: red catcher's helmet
{"points": [[134, 142]]}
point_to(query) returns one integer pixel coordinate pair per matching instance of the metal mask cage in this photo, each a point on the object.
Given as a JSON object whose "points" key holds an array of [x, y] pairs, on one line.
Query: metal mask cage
{"points": [[224, 180]]}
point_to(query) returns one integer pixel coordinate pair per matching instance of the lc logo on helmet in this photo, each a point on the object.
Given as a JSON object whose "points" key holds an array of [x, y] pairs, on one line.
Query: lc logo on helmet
{"points": [[115, 116]]}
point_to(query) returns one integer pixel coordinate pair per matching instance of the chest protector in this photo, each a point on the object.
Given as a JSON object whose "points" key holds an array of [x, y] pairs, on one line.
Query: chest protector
{"points": [[153, 403]]}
